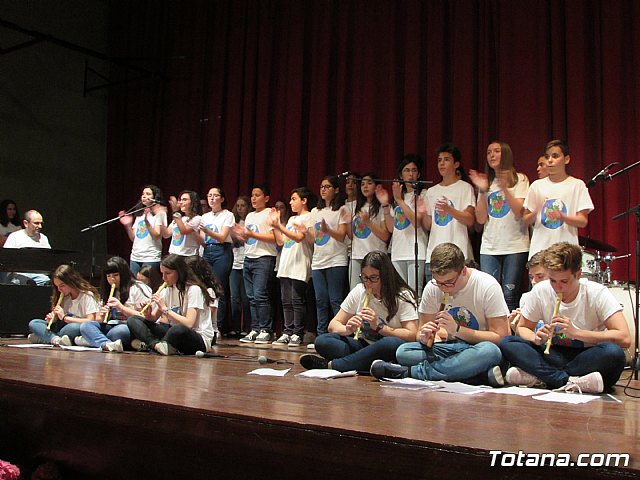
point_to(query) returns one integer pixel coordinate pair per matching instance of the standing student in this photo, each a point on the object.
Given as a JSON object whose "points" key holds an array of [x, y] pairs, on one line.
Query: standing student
{"points": [[294, 269], [505, 236], [80, 304], [541, 168], [450, 206], [588, 330], [240, 309], [145, 228], [557, 205], [329, 264], [259, 261], [110, 331], [180, 320], [184, 228], [215, 236], [369, 232], [401, 221], [458, 338], [382, 309]]}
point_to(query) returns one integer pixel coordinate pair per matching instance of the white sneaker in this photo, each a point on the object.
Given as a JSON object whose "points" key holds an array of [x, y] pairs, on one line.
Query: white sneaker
{"points": [[61, 341], [283, 340], [311, 346], [139, 345], [81, 341], [250, 337], [164, 348], [113, 346], [263, 337], [590, 383], [295, 341], [33, 338], [516, 376]]}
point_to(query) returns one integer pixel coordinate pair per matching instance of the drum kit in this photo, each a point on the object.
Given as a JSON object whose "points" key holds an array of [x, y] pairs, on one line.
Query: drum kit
{"points": [[597, 258]]}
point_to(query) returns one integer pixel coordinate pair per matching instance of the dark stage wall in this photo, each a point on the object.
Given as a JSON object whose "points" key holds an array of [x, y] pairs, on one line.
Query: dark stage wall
{"points": [[289, 91]]}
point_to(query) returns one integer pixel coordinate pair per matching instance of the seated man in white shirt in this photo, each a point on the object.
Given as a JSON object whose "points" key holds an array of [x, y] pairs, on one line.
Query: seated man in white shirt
{"points": [[30, 237]]}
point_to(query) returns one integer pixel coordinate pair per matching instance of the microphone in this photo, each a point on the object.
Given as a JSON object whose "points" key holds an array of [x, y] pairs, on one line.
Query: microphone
{"points": [[601, 176], [201, 354], [262, 360], [344, 174]]}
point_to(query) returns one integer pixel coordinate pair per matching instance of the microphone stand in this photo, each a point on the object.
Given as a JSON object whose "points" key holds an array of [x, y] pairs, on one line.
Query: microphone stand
{"points": [[95, 227], [635, 362]]}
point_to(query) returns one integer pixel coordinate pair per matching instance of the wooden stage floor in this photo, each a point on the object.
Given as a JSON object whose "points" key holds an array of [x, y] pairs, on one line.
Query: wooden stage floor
{"points": [[138, 415]]}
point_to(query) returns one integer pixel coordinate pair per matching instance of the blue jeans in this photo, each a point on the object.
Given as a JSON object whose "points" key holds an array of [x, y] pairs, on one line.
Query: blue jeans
{"points": [[292, 293], [555, 368], [508, 270], [136, 266], [97, 333], [450, 361], [220, 257], [58, 329], [256, 272], [346, 353], [329, 288], [407, 270], [240, 309]]}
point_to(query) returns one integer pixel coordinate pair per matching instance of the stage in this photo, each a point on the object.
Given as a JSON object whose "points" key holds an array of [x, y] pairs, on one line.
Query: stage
{"points": [[136, 415]]}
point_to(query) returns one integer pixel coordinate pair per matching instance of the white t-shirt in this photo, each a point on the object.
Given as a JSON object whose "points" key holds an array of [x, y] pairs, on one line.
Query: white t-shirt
{"points": [[354, 303], [593, 305], [364, 240], [20, 239], [216, 221], [145, 247], [569, 196], [10, 228], [404, 232], [295, 257], [84, 304], [258, 222], [480, 299], [504, 233], [238, 252], [445, 228], [327, 251], [193, 298], [139, 295], [185, 245]]}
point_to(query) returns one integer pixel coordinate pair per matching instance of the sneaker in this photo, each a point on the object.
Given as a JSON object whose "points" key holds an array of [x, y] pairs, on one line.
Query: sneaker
{"points": [[164, 348], [250, 337], [518, 377], [81, 341], [33, 338], [381, 369], [312, 362], [139, 345], [311, 346], [263, 337], [283, 340], [591, 383], [113, 346], [295, 341], [64, 341], [496, 378]]}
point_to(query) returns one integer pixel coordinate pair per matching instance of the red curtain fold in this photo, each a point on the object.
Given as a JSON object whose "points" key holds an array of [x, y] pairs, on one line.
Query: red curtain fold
{"points": [[288, 91]]}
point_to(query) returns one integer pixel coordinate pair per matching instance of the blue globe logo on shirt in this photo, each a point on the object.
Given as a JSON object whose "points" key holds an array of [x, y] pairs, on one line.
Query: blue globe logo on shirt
{"points": [[141, 229], [176, 238], [400, 220], [552, 205], [321, 238], [207, 238], [442, 219], [360, 229], [251, 240], [464, 317], [288, 243], [498, 206]]}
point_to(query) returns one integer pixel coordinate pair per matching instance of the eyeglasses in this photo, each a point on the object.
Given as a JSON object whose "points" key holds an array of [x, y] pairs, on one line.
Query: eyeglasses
{"points": [[409, 170], [370, 278], [325, 187], [449, 283]]}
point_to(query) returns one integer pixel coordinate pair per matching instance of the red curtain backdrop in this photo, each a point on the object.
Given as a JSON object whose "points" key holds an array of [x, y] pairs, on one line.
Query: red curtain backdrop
{"points": [[288, 91]]}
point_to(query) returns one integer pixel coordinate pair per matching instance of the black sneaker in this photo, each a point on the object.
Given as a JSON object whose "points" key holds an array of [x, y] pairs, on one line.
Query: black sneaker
{"points": [[496, 377], [381, 369], [311, 362]]}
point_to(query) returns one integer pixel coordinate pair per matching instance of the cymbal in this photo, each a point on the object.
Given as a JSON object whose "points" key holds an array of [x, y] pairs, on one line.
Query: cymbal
{"points": [[592, 244]]}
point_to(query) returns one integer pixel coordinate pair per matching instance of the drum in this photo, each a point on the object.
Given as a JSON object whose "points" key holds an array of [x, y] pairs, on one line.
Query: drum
{"points": [[627, 298], [590, 264]]}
